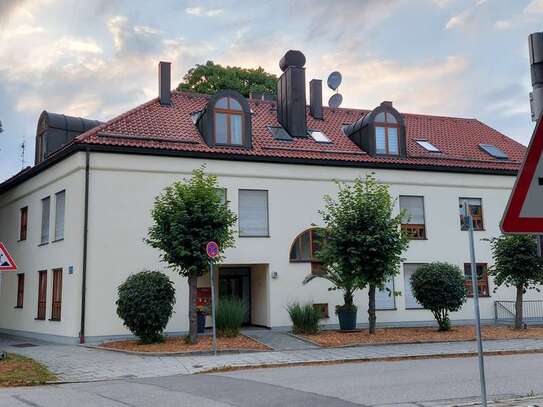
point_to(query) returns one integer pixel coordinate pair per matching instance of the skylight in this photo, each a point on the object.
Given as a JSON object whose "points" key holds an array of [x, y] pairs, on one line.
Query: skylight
{"points": [[494, 151], [319, 136], [279, 133], [428, 146]]}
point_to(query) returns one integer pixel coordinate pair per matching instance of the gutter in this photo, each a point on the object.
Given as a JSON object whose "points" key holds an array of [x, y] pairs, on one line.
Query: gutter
{"points": [[85, 246]]}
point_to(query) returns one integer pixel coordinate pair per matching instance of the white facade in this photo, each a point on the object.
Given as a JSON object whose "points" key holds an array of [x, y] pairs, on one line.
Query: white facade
{"points": [[121, 193]]}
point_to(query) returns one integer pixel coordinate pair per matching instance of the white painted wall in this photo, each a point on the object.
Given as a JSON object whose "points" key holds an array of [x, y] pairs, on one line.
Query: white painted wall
{"points": [[31, 257], [122, 190]]}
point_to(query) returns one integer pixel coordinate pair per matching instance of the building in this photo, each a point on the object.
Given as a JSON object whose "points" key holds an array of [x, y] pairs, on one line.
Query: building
{"points": [[75, 222]]}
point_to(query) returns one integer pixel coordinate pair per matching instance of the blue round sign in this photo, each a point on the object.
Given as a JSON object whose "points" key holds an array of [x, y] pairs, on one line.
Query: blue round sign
{"points": [[212, 249]]}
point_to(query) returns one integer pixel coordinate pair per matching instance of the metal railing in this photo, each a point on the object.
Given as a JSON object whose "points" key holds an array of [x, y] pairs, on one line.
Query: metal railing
{"points": [[532, 311]]}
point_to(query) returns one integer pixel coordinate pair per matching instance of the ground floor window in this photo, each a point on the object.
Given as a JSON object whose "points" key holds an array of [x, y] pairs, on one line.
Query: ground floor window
{"points": [[57, 295], [42, 294], [482, 277], [20, 290], [410, 300], [384, 299]]}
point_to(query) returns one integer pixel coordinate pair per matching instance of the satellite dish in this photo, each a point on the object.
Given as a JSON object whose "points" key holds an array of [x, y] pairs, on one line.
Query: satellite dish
{"points": [[334, 80], [335, 100]]}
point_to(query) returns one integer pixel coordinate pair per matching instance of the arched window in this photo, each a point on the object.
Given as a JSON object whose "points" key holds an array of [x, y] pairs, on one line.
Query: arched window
{"points": [[305, 247], [228, 122], [387, 132]]}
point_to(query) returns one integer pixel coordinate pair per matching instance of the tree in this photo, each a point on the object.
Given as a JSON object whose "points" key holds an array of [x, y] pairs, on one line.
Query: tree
{"points": [[211, 77], [517, 263], [188, 215], [363, 241], [145, 304], [440, 288]]}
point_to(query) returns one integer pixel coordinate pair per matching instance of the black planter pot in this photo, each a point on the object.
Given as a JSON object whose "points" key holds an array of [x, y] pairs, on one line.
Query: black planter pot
{"points": [[201, 318], [347, 320]]}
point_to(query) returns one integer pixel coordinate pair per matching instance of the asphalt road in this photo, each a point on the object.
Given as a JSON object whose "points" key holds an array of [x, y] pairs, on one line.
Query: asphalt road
{"points": [[425, 382]]}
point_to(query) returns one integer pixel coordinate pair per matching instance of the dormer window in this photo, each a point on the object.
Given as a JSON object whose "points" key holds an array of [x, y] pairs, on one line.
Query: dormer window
{"points": [[226, 120], [386, 134]]}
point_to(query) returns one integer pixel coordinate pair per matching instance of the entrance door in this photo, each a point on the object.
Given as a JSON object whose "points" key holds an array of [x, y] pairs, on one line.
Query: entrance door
{"points": [[236, 283]]}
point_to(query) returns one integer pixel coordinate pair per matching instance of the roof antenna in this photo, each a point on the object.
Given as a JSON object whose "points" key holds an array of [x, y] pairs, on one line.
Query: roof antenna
{"points": [[334, 80], [22, 146]]}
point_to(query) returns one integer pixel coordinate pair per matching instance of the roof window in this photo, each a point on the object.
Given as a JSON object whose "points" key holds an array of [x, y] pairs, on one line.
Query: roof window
{"points": [[319, 136], [494, 151], [279, 133], [428, 146]]}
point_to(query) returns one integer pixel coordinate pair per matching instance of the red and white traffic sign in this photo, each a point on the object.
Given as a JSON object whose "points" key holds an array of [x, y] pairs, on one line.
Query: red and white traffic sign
{"points": [[6, 261], [212, 249], [524, 213]]}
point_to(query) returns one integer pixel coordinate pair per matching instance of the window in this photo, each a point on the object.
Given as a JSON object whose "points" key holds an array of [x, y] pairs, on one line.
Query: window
{"points": [[494, 151], [23, 223], [386, 134], [253, 213], [305, 248], [60, 205], [45, 215], [475, 206], [384, 299], [228, 121], [20, 290], [42, 294], [279, 133], [57, 295], [319, 136], [410, 300], [222, 194], [482, 279], [322, 309], [540, 245], [428, 146], [415, 224]]}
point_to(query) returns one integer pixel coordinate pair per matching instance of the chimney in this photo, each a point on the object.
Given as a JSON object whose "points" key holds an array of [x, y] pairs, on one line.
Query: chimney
{"points": [[164, 82], [315, 99], [535, 47], [291, 107]]}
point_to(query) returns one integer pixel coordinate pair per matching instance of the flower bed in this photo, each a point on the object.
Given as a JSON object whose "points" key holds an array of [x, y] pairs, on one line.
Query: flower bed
{"points": [[178, 345], [418, 335]]}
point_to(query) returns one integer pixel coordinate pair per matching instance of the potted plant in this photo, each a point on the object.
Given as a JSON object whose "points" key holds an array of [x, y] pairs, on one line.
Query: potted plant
{"points": [[201, 312], [346, 315]]}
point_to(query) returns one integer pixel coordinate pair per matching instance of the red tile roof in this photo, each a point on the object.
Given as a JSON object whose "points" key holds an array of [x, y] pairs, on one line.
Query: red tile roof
{"points": [[153, 126]]}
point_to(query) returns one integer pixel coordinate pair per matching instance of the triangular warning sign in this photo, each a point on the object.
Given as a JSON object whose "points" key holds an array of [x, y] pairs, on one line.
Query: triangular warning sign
{"points": [[524, 213], [6, 261]]}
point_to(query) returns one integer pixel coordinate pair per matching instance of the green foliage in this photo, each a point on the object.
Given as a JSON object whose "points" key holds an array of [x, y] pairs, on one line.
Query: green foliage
{"points": [[145, 304], [363, 241], [186, 217], [211, 77], [516, 261], [439, 287], [305, 318], [229, 316]]}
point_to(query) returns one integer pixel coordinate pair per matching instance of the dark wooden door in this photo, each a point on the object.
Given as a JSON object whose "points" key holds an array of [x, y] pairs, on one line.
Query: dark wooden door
{"points": [[42, 293]]}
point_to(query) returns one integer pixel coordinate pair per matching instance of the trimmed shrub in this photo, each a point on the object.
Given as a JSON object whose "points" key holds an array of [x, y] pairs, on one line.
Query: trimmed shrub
{"points": [[145, 304], [229, 316], [439, 287], [305, 318]]}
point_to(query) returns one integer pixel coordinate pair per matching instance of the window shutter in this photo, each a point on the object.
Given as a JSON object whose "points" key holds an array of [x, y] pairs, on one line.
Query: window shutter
{"points": [[410, 300], [253, 213], [384, 300], [415, 208], [60, 202], [45, 215]]}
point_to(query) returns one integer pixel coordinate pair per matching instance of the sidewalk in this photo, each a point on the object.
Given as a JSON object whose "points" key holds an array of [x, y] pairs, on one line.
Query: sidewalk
{"points": [[79, 363]]}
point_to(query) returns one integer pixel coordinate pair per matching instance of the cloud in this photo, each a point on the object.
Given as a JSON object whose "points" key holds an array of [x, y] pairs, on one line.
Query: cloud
{"points": [[465, 18], [535, 6], [503, 24], [203, 12], [7, 7]]}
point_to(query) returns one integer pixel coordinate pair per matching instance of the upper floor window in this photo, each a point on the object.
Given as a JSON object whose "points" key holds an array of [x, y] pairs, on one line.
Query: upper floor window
{"points": [[305, 248], [475, 207], [228, 121], [23, 226], [386, 134], [253, 213], [45, 218], [60, 206], [414, 225]]}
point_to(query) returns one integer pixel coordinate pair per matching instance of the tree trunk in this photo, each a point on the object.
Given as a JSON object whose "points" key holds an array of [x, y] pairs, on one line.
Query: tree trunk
{"points": [[371, 309], [518, 307], [193, 321], [348, 297]]}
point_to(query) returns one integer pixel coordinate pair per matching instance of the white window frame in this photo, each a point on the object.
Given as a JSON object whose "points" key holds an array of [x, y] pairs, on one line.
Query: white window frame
{"points": [[386, 296], [408, 289], [60, 215], [267, 214], [45, 220]]}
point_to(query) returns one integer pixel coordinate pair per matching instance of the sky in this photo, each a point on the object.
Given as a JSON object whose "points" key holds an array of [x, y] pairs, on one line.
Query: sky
{"points": [[98, 58]]}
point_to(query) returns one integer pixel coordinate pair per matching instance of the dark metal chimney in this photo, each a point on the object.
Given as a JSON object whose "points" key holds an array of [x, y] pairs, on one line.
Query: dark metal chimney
{"points": [[164, 82], [535, 47], [291, 106], [315, 98]]}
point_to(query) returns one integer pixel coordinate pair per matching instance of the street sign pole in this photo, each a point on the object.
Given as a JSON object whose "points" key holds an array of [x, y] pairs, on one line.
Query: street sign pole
{"points": [[213, 307], [475, 288]]}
